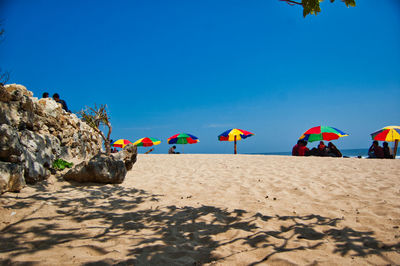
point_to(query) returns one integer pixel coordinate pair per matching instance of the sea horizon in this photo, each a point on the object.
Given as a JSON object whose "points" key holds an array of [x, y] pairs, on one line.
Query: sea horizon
{"points": [[359, 152]]}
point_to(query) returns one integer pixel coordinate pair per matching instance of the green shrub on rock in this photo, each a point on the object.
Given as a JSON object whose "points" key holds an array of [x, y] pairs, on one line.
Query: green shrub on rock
{"points": [[60, 164]]}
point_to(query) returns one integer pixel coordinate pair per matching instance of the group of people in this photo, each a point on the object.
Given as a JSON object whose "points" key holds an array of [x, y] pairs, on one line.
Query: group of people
{"points": [[300, 149], [56, 97], [376, 151]]}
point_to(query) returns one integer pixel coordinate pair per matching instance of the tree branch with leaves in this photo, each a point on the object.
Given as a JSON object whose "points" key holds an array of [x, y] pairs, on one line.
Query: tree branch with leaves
{"points": [[312, 6], [96, 117], [4, 76]]}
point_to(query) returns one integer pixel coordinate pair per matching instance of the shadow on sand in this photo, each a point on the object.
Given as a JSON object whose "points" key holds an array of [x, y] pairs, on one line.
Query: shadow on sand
{"points": [[167, 235]]}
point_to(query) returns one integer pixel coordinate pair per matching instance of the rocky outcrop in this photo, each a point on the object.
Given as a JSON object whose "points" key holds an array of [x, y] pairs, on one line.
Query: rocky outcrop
{"points": [[34, 132], [11, 177], [104, 169], [128, 155]]}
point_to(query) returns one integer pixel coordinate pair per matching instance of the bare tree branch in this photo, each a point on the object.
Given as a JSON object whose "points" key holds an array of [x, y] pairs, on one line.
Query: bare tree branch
{"points": [[95, 117], [292, 2], [4, 77]]}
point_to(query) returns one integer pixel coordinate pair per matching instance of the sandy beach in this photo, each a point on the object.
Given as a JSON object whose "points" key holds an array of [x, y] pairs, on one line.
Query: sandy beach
{"points": [[212, 210]]}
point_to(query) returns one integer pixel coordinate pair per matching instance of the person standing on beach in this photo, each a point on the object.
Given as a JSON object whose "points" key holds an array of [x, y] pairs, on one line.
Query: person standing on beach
{"points": [[56, 98]]}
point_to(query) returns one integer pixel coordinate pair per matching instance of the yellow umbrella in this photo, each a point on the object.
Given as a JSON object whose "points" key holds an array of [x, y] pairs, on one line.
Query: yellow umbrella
{"points": [[234, 134], [389, 133], [121, 143]]}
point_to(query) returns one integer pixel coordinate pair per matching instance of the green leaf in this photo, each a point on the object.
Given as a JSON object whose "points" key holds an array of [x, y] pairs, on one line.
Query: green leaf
{"points": [[60, 164]]}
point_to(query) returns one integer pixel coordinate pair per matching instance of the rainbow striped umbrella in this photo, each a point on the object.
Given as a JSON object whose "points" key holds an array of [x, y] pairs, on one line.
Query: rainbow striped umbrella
{"points": [[322, 133], [234, 134], [121, 143], [183, 138], [147, 142], [389, 133]]}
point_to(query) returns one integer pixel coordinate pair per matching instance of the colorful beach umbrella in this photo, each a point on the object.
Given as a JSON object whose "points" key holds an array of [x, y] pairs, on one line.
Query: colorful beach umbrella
{"points": [[121, 143], [322, 133], [234, 134], [183, 138], [389, 133], [147, 142]]}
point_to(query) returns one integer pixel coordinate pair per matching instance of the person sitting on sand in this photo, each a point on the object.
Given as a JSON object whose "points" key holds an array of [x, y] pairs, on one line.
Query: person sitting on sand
{"points": [[387, 151], [333, 151], [303, 150], [295, 150], [322, 149], [172, 150], [375, 151], [300, 149], [321, 146]]}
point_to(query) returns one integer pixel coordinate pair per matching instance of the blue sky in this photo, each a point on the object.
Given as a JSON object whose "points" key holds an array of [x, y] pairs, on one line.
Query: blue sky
{"points": [[202, 67]]}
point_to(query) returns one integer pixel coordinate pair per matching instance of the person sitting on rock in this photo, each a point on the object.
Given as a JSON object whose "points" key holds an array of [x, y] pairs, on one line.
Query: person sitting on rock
{"points": [[45, 95], [56, 98]]}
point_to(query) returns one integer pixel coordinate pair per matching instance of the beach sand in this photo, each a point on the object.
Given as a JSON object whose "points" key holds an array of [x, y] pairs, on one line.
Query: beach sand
{"points": [[212, 210]]}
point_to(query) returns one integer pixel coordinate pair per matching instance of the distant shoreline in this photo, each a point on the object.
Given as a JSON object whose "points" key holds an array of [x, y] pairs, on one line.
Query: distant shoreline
{"points": [[352, 153]]}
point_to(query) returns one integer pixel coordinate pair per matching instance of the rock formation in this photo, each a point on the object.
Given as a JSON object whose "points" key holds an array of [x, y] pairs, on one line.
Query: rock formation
{"points": [[33, 133], [104, 169]]}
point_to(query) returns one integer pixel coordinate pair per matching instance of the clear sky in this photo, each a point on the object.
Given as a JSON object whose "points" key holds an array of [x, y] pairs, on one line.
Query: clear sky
{"points": [[202, 67]]}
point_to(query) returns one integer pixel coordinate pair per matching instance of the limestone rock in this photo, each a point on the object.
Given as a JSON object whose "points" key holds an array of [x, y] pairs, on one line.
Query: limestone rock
{"points": [[34, 132], [18, 89], [10, 147], [47, 107], [128, 155], [104, 169], [100, 169], [40, 151], [11, 177]]}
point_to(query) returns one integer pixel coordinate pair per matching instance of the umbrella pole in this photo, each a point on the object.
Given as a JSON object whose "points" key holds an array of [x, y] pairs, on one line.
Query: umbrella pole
{"points": [[183, 148], [396, 143], [235, 150]]}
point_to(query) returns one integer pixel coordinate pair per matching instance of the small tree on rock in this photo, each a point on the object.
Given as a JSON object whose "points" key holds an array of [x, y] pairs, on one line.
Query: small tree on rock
{"points": [[312, 6], [4, 76], [96, 117]]}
